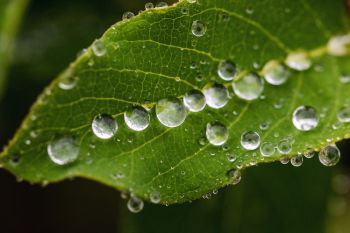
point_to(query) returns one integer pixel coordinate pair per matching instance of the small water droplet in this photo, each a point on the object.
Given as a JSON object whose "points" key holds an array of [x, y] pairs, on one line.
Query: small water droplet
{"points": [[194, 101], [305, 118], [297, 161], [339, 45], [284, 160], [104, 126], [149, 5], [231, 156], [344, 115], [267, 149], [216, 133], [202, 141], [250, 140], [161, 4], [344, 78], [309, 153], [276, 73], [216, 95], [284, 147], [249, 87], [68, 82], [185, 11], [192, 1], [171, 112], [329, 156], [234, 176], [135, 204], [264, 126], [137, 118], [128, 15], [98, 48], [298, 61], [227, 70], [63, 150], [198, 28], [249, 10], [154, 197]]}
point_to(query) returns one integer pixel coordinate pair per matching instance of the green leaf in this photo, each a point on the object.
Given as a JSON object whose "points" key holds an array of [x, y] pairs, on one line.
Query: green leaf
{"points": [[149, 57], [10, 17]]}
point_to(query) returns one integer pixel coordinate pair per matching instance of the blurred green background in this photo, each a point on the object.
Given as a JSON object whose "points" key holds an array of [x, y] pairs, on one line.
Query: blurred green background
{"points": [[270, 198]]}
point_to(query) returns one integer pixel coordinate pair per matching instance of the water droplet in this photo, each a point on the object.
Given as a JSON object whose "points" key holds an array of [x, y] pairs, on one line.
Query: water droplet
{"points": [[154, 197], [339, 45], [195, 101], [202, 141], [185, 11], [63, 150], [227, 70], [284, 160], [192, 1], [264, 126], [275, 73], [309, 153], [135, 204], [127, 15], [329, 156], [216, 133], [171, 112], [305, 118], [250, 140], [344, 115], [216, 95], [249, 87], [267, 149], [344, 78], [137, 118], [298, 61], [234, 176], [104, 126], [231, 156], [224, 17], [279, 104], [98, 48], [68, 82], [284, 147], [149, 5], [297, 161], [198, 28], [161, 4], [249, 10]]}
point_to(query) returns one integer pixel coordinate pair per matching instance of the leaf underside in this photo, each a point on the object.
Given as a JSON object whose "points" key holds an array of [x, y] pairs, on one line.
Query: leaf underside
{"points": [[148, 58]]}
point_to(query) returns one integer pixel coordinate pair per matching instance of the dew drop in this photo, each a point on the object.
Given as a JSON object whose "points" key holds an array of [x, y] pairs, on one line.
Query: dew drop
{"points": [[135, 204], [198, 28], [344, 78], [161, 4], [202, 141], [298, 61], [216, 133], [297, 161], [264, 126], [284, 147], [171, 112], [227, 70], [329, 156], [98, 48], [63, 150], [309, 154], [250, 140], [154, 197], [192, 1], [137, 118], [149, 5], [339, 45], [275, 73], [185, 11], [216, 95], [284, 160], [249, 87], [267, 149], [68, 83], [344, 115], [305, 118], [104, 126], [128, 15], [194, 101], [231, 156], [234, 176]]}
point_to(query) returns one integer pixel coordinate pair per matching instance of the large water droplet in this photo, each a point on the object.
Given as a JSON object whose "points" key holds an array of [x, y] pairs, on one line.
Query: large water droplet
{"points": [[250, 140], [135, 204], [297, 161], [104, 126], [339, 45], [216, 133], [171, 112], [275, 73], [98, 48], [63, 150], [249, 87], [267, 149], [344, 115], [305, 118], [137, 118], [329, 156], [227, 70], [298, 61], [198, 28], [284, 147], [216, 95], [195, 101]]}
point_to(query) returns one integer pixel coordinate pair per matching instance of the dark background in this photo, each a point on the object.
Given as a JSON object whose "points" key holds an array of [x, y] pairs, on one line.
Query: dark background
{"points": [[51, 35]]}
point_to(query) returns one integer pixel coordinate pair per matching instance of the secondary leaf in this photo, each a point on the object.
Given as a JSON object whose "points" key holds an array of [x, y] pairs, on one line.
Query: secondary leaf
{"points": [[167, 52]]}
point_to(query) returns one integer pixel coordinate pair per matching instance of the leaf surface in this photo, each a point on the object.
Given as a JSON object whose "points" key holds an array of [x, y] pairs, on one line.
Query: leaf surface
{"points": [[148, 58]]}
